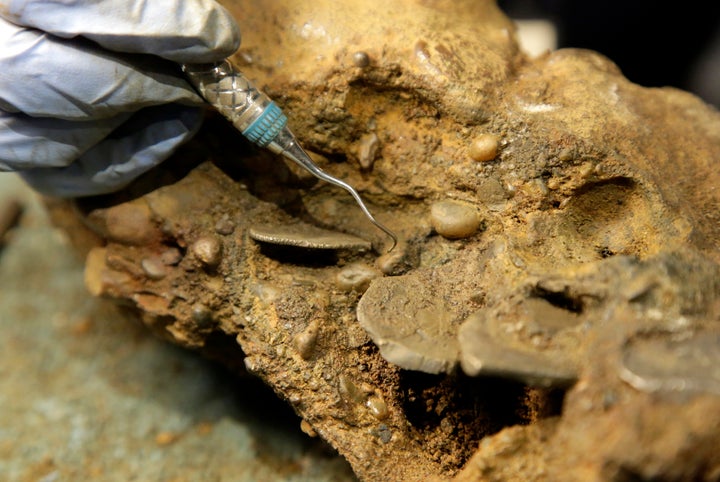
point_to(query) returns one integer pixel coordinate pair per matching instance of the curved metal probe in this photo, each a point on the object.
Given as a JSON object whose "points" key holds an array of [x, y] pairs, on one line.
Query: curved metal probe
{"points": [[293, 151], [260, 120]]}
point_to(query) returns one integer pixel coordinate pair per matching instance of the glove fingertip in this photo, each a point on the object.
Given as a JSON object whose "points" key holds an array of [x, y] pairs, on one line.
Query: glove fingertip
{"points": [[230, 38], [216, 36]]}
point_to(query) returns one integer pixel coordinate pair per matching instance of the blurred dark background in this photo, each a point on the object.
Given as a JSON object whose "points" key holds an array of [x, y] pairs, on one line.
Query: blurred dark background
{"points": [[654, 43]]}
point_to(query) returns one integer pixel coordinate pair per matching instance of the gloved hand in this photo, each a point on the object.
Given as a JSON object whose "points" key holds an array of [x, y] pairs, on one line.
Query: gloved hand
{"points": [[84, 109]]}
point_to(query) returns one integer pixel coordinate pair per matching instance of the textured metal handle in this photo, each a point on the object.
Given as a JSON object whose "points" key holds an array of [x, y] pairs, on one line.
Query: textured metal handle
{"points": [[252, 112]]}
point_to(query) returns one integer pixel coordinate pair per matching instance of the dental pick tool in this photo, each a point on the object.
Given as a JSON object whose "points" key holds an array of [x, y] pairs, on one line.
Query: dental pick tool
{"points": [[260, 120]]}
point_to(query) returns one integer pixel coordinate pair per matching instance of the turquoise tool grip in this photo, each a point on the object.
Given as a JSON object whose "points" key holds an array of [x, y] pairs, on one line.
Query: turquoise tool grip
{"points": [[267, 126]]}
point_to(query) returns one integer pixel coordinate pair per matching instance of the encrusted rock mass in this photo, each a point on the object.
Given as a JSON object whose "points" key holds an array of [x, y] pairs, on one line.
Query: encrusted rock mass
{"points": [[552, 310]]}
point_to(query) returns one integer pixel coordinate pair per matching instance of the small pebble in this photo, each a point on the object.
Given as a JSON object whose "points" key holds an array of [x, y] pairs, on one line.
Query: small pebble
{"points": [[490, 191], [307, 429], [153, 267], [225, 226], [446, 426], [377, 407], [361, 59], [305, 341], [171, 256], [208, 250], [349, 391], [253, 365], [201, 314], [384, 433], [454, 219], [368, 149], [392, 263], [553, 183], [124, 264], [484, 148], [130, 223], [356, 276], [586, 170], [95, 266]]}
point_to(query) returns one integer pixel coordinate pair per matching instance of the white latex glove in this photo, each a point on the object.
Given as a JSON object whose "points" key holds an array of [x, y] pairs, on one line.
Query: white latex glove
{"points": [[91, 94]]}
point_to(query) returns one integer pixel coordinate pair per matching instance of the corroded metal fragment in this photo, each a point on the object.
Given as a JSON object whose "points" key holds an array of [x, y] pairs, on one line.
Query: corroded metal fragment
{"points": [[483, 354], [307, 236], [684, 361], [412, 327]]}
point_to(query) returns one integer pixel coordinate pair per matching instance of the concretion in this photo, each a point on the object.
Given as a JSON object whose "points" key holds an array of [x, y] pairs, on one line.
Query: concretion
{"points": [[543, 330]]}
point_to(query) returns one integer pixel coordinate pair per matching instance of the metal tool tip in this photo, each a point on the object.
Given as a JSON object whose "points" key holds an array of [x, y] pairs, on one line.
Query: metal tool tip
{"points": [[389, 233], [286, 145]]}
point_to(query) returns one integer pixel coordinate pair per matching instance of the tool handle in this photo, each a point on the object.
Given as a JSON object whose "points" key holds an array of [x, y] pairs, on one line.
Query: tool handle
{"points": [[252, 112], [260, 120]]}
